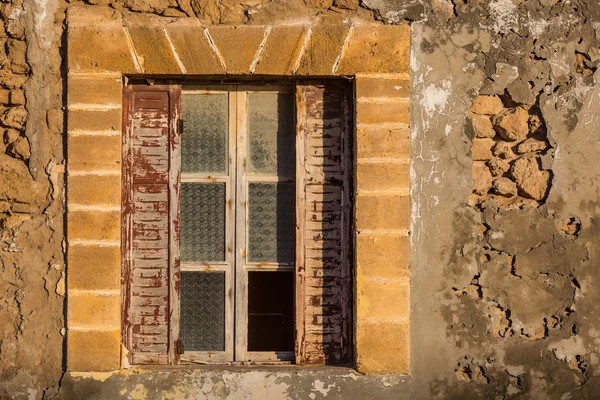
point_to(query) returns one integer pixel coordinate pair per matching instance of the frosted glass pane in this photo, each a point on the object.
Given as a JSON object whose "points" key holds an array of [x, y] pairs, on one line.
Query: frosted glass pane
{"points": [[205, 131], [203, 222], [271, 222], [203, 311], [271, 133]]}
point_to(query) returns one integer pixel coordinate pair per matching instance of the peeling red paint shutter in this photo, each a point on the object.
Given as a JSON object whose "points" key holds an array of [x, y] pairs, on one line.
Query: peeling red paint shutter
{"points": [[323, 289], [150, 272]]}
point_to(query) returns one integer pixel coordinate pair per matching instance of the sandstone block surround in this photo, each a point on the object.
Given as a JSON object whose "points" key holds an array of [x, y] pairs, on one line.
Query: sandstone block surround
{"points": [[105, 49]]}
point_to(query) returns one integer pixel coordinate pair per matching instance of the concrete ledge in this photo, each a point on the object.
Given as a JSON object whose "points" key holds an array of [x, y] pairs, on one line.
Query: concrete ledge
{"points": [[290, 382]]}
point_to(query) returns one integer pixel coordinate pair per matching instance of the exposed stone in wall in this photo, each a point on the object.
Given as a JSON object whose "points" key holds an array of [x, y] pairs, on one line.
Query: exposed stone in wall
{"points": [[518, 113], [32, 271], [510, 140], [212, 12]]}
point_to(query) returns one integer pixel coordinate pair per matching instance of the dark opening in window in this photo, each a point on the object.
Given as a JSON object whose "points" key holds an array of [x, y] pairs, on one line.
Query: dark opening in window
{"points": [[270, 311]]}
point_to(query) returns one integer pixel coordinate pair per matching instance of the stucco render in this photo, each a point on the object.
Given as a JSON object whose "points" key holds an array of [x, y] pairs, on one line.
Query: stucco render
{"points": [[503, 296]]}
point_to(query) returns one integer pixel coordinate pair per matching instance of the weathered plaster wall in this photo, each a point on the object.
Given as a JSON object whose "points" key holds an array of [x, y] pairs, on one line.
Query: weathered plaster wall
{"points": [[32, 270], [512, 287], [504, 301]]}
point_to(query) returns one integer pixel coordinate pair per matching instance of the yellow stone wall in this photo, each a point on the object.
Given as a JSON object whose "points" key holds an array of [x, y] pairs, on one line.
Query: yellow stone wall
{"points": [[103, 48], [93, 219]]}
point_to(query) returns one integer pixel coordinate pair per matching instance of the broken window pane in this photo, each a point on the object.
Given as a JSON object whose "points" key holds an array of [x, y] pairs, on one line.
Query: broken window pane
{"points": [[270, 311]]}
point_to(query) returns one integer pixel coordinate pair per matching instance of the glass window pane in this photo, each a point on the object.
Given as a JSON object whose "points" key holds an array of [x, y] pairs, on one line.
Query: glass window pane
{"points": [[271, 133], [271, 222], [205, 131], [203, 311], [271, 311], [203, 222]]}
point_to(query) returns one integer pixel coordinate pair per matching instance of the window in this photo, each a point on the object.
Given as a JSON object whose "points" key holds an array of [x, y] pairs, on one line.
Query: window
{"points": [[237, 235], [237, 223]]}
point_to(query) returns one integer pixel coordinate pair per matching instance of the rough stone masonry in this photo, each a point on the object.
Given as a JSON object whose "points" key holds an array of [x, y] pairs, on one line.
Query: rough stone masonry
{"points": [[505, 216]]}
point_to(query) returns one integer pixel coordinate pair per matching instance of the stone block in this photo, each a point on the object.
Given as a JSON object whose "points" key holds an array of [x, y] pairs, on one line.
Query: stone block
{"points": [[323, 48], [93, 267], [374, 141], [382, 212], [153, 50], [88, 309], [90, 190], [531, 180], [94, 225], [94, 152], [383, 112], [481, 150], [385, 256], [98, 49], [512, 124], [91, 350], [482, 126], [93, 90], [281, 50], [4, 96], [17, 97], [238, 45], [194, 51], [482, 178], [382, 298], [505, 187], [13, 80], [367, 86], [86, 15], [95, 120], [383, 347], [382, 176], [487, 105], [377, 49]]}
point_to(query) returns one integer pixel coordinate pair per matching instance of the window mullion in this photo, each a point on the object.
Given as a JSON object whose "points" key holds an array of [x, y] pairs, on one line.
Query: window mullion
{"points": [[241, 306], [230, 230]]}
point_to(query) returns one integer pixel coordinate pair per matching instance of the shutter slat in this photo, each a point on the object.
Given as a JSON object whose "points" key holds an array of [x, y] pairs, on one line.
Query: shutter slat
{"points": [[323, 278]]}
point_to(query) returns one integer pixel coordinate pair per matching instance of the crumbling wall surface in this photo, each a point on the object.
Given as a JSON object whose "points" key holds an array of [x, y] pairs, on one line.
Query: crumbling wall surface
{"points": [[32, 267], [505, 118], [505, 111]]}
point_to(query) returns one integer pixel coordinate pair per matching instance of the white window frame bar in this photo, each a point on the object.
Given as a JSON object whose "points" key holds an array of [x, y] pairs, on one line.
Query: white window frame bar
{"points": [[243, 267], [228, 265]]}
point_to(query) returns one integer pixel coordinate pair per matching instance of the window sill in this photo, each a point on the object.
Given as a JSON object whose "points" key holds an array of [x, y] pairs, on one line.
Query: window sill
{"points": [[263, 382], [241, 366]]}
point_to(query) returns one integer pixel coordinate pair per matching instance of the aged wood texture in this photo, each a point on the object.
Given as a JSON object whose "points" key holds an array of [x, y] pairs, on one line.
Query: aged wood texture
{"points": [[324, 167], [150, 223]]}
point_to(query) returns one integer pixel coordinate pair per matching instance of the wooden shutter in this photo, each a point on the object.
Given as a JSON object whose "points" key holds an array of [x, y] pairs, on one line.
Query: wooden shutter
{"points": [[149, 232], [324, 227]]}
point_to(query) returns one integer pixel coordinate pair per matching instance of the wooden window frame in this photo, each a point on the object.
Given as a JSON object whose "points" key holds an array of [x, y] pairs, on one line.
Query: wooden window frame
{"points": [[235, 266], [227, 266]]}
